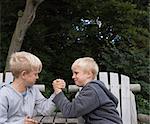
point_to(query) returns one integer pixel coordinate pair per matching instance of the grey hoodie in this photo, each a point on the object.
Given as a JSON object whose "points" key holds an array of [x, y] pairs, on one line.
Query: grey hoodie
{"points": [[95, 103]]}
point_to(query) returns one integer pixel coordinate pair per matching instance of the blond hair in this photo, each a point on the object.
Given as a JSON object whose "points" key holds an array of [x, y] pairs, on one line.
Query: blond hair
{"points": [[24, 61], [87, 64]]}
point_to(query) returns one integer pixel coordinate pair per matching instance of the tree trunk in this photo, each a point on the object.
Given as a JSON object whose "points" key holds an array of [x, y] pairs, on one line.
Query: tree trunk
{"points": [[23, 23]]}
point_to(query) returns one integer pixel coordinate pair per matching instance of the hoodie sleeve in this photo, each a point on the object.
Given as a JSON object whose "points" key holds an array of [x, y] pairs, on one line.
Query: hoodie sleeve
{"points": [[81, 105]]}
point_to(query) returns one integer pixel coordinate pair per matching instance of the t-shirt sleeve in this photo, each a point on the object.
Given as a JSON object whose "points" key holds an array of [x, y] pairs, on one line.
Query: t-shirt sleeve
{"points": [[43, 105]]}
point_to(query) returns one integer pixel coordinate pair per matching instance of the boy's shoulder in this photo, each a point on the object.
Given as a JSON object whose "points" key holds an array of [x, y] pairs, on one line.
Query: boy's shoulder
{"points": [[94, 85], [96, 82], [4, 85]]}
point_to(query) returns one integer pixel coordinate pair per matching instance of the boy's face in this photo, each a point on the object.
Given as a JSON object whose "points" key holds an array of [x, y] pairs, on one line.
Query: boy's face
{"points": [[31, 77], [79, 76]]}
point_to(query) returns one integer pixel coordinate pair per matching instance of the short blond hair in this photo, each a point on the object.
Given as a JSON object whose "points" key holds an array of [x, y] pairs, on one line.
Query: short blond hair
{"points": [[87, 64], [24, 61]]}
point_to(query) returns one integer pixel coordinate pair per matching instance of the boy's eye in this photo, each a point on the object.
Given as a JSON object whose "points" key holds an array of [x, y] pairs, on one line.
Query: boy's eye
{"points": [[36, 74], [76, 72]]}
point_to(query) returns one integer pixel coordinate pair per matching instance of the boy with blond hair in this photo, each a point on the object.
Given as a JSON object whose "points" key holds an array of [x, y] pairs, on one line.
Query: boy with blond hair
{"points": [[95, 103], [20, 101]]}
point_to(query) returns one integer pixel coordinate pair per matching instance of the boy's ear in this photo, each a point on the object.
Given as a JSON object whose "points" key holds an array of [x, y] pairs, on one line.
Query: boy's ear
{"points": [[23, 73], [90, 74]]}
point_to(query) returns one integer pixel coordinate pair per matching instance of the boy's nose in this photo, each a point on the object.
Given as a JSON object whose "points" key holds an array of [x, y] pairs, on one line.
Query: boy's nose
{"points": [[37, 77], [72, 76]]}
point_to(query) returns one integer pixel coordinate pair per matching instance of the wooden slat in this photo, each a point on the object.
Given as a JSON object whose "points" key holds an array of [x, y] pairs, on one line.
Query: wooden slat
{"points": [[143, 118], [1, 78], [56, 118], [133, 109], [103, 76], [73, 88], [38, 118], [125, 99], [133, 87], [73, 121], [47, 120], [41, 87], [114, 88], [60, 120], [8, 77]]}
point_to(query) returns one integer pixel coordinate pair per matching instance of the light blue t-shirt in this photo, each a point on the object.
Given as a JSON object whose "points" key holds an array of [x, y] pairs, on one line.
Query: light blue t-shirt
{"points": [[14, 106]]}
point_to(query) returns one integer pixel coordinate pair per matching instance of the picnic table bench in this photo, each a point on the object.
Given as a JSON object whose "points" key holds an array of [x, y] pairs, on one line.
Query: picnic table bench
{"points": [[118, 84]]}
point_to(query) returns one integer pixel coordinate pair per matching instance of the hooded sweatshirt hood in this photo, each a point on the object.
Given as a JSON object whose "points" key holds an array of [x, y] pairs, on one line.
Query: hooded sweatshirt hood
{"points": [[108, 93]]}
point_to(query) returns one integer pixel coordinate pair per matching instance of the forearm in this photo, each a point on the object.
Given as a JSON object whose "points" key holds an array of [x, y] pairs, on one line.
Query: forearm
{"points": [[47, 106], [52, 106], [78, 107], [69, 109]]}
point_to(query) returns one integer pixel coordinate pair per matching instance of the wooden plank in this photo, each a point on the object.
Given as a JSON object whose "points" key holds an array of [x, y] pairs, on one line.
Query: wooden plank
{"points": [[41, 87], [38, 118], [47, 120], [125, 99], [8, 77], [114, 88], [103, 76], [73, 121], [133, 87], [133, 109], [73, 88], [1, 78], [59, 119], [143, 118]]}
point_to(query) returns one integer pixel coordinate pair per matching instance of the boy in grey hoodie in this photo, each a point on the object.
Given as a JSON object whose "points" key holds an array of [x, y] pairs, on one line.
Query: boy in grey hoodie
{"points": [[95, 102]]}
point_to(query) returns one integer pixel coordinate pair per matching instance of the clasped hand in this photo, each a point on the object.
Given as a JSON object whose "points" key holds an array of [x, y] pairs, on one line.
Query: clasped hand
{"points": [[58, 85]]}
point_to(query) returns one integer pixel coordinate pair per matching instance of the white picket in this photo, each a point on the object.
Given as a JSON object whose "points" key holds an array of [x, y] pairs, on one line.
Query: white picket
{"points": [[125, 99], [114, 88], [103, 76], [8, 77], [1, 78], [133, 109]]}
